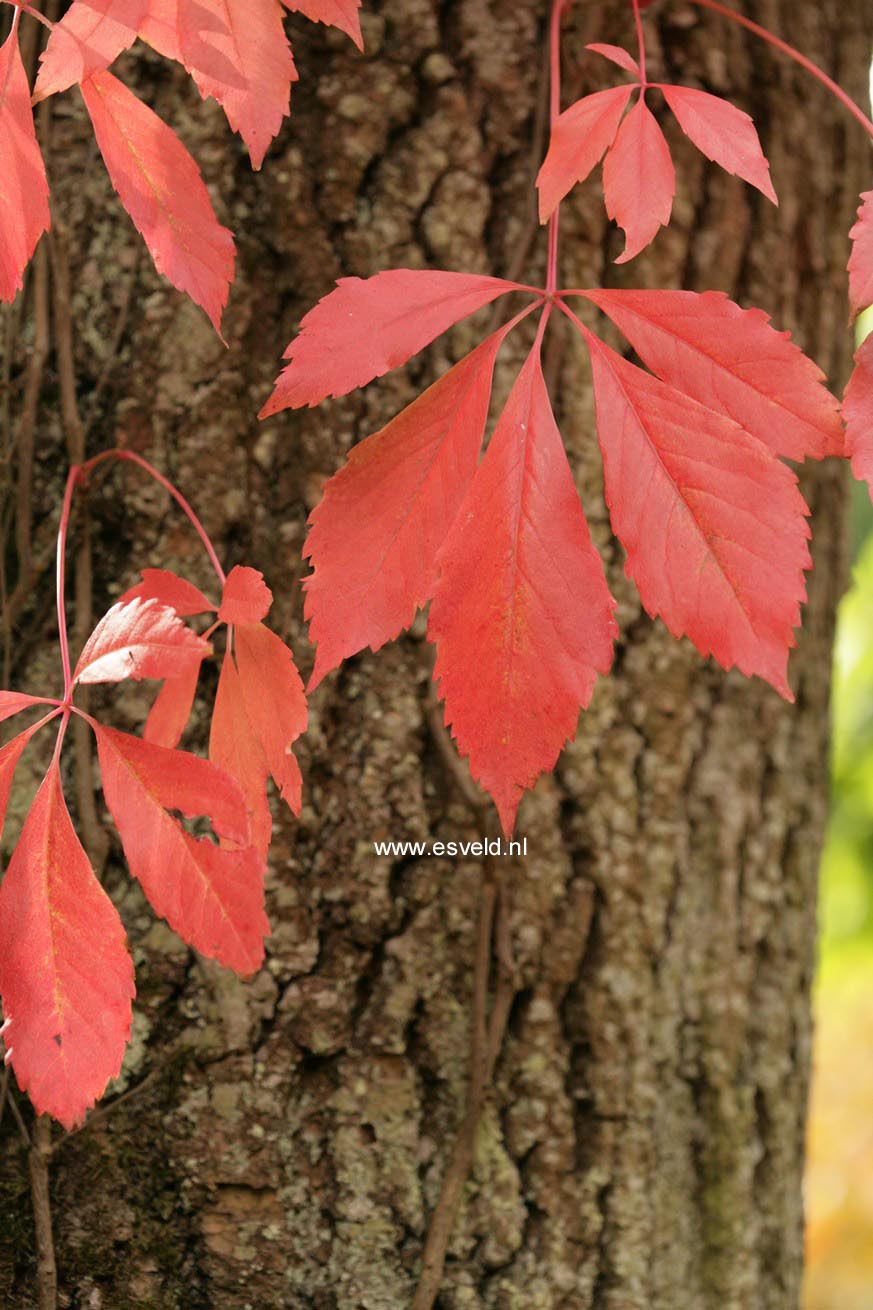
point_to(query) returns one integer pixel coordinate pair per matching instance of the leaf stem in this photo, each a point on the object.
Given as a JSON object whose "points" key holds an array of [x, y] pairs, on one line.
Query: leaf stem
{"points": [[641, 43], [20, 8], [789, 50], [554, 111]]}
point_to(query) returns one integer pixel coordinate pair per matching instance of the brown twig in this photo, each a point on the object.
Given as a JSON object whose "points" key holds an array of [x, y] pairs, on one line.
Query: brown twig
{"points": [[46, 1267]]}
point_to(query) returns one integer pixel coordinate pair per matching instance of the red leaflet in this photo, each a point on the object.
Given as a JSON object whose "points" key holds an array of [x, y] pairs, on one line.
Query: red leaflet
{"points": [[861, 259], [10, 754], [365, 327], [375, 535], [713, 525], [139, 639], [169, 589], [24, 210], [213, 897], [65, 974], [858, 413], [161, 188], [335, 13], [86, 40], [274, 702], [732, 361], [239, 54], [171, 710], [638, 179], [160, 28], [234, 747], [521, 615], [246, 597], [723, 133], [617, 55], [13, 702], [579, 139]]}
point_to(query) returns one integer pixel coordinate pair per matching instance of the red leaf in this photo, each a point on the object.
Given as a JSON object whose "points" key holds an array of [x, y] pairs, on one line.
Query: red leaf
{"points": [[335, 13], [366, 327], [638, 180], [234, 748], [24, 210], [617, 55], [713, 524], [169, 589], [723, 133], [86, 40], [521, 614], [579, 139], [274, 703], [10, 754], [239, 54], [140, 639], [13, 702], [160, 28], [246, 597], [374, 538], [169, 715], [161, 188], [732, 361], [65, 974], [212, 897], [858, 413], [861, 259]]}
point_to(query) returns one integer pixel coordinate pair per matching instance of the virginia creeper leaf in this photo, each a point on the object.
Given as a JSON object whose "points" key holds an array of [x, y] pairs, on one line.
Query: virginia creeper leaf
{"points": [[160, 28], [732, 361], [10, 754], [273, 697], [160, 186], [858, 413], [713, 524], [521, 616], [861, 259], [212, 897], [239, 55], [86, 40], [171, 710], [24, 209], [335, 13], [13, 702], [366, 327], [65, 974], [246, 597], [139, 639], [234, 748], [638, 179], [723, 133], [169, 589], [617, 54], [374, 537], [580, 137]]}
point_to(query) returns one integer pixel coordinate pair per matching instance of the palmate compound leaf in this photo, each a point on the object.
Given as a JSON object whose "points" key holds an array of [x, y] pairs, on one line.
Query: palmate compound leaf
{"points": [[861, 258], [139, 639], [160, 186], [66, 977], [91, 34], [712, 522], [343, 14], [24, 208], [639, 181], [858, 413], [374, 537], [580, 138], [212, 896], [732, 361], [521, 615], [366, 327], [723, 133]]}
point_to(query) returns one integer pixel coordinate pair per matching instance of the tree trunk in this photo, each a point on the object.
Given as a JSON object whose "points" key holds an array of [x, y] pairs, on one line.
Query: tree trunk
{"points": [[283, 1140]]}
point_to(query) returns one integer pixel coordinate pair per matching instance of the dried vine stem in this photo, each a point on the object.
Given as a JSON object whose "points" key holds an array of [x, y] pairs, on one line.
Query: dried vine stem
{"points": [[46, 1266]]}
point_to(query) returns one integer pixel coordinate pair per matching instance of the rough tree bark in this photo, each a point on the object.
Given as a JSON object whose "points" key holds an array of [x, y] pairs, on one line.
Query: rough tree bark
{"points": [[283, 1141]]}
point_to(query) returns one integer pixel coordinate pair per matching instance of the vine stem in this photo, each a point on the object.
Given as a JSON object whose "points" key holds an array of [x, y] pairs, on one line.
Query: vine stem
{"points": [[789, 50], [641, 43], [558, 9], [63, 529]]}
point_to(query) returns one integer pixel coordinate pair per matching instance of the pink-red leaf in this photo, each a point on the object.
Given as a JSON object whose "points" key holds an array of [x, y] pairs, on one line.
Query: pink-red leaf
{"points": [[521, 615], [239, 55], [139, 639], [858, 413], [246, 597], [861, 258], [212, 897], [169, 715], [580, 137], [24, 210], [617, 54], [723, 133], [13, 702], [374, 538], [334, 13], [366, 327], [638, 180], [160, 186], [713, 524], [274, 702], [160, 28], [169, 589], [234, 748], [10, 754], [734, 362], [86, 40], [65, 973]]}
